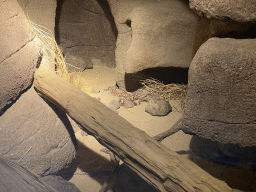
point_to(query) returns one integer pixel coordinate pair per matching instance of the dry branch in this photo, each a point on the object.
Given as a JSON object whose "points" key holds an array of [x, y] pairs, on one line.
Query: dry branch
{"points": [[159, 166]]}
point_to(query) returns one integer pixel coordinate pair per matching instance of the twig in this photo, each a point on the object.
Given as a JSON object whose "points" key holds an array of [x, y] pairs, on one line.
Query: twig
{"points": [[175, 128], [25, 154]]}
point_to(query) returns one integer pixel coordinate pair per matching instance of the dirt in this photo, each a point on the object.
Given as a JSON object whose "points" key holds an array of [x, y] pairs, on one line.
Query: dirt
{"points": [[92, 167]]}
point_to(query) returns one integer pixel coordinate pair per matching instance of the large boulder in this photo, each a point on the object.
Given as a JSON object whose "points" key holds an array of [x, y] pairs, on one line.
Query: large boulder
{"points": [[87, 29], [40, 12], [221, 99], [238, 10], [17, 178], [37, 135], [152, 34], [207, 28], [18, 53]]}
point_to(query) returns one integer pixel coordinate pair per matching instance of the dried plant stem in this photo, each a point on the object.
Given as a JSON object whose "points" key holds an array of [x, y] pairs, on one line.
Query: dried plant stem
{"points": [[167, 92]]}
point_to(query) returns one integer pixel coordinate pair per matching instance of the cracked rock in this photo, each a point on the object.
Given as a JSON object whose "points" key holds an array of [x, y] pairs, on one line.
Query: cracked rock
{"points": [[221, 98], [37, 135]]}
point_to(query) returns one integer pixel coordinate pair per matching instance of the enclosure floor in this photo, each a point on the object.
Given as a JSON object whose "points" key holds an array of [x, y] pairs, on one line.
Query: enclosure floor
{"points": [[92, 167]]}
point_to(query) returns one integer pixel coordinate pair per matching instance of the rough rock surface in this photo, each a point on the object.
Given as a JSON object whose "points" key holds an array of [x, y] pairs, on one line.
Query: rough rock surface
{"points": [[224, 153], [158, 107], [18, 53], [37, 136], [86, 28], [16, 178], [76, 64], [152, 34], [128, 104], [238, 10], [207, 29], [221, 92], [40, 12], [114, 105]]}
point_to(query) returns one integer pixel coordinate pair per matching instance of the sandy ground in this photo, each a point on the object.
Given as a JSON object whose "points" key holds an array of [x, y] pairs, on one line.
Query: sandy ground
{"points": [[93, 167]]}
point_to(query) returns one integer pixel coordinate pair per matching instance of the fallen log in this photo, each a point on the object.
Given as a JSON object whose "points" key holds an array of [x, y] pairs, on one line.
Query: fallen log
{"points": [[159, 166]]}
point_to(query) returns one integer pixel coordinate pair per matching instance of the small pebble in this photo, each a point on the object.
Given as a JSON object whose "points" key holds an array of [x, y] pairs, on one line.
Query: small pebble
{"points": [[95, 90], [114, 105], [158, 107], [128, 104]]}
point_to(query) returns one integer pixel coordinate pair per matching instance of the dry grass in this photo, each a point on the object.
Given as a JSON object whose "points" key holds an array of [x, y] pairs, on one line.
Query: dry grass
{"points": [[48, 40], [167, 92]]}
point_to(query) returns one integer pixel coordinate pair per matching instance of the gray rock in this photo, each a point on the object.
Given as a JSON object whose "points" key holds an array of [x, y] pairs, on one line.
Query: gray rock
{"points": [[18, 53], [221, 98], [128, 104], [113, 105], [75, 63], [207, 29], [44, 17], [224, 153], [152, 34], [17, 178], [241, 11], [37, 135], [87, 29], [158, 107]]}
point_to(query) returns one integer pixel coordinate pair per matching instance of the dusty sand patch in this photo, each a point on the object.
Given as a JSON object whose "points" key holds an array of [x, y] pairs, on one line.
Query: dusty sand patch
{"points": [[94, 166], [91, 160]]}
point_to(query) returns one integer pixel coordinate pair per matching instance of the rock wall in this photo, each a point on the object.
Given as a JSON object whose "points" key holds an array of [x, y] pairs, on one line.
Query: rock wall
{"points": [[32, 133], [86, 28], [152, 34], [220, 108], [220, 101]]}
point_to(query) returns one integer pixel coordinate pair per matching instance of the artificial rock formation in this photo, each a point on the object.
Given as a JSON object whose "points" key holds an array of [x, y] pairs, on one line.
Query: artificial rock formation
{"points": [[221, 92], [86, 28], [40, 12], [17, 40], [75, 63], [237, 10], [37, 135], [152, 34], [31, 132]]}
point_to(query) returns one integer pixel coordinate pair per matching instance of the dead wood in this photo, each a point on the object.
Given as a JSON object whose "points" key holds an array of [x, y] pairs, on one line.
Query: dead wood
{"points": [[175, 128], [159, 166]]}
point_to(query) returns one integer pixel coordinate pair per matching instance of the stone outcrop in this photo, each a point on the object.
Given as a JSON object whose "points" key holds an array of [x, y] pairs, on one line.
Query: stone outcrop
{"points": [[40, 12], [87, 29], [32, 133], [37, 135], [18, 53], [16, 178], [207, 29], [221, 92], [152, 34], [237, 10], [75, 63]]}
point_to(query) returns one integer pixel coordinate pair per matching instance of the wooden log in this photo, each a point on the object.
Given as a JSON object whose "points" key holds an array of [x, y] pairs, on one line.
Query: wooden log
{"points": [[159, 166]]}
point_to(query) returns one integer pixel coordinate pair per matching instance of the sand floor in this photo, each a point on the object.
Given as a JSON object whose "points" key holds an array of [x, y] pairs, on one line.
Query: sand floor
{"points": [[92, 167]]}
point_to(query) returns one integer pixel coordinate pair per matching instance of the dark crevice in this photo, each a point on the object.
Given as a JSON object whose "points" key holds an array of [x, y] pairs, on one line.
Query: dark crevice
{"points": [[106, 8], [8, 56], [249, 34], [128, 22], [166, 75], [57, 20]]}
